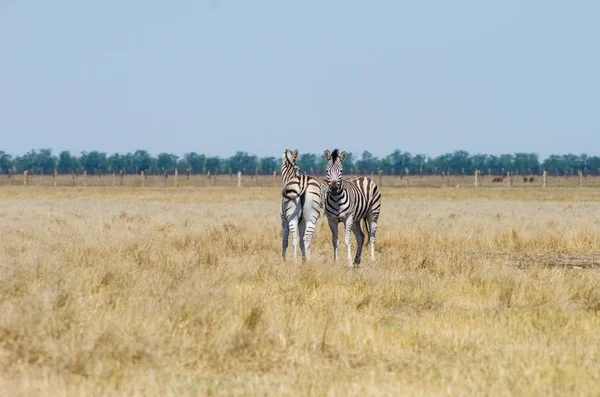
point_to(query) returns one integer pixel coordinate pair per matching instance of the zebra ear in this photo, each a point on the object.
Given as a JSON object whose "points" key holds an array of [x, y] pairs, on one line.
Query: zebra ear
{"points": [[327, 154], [296, 153], [342, 156]]}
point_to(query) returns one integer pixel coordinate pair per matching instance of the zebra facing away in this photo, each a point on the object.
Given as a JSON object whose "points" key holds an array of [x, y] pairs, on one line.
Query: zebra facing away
{"points": [[301, 204], [350, 201]]}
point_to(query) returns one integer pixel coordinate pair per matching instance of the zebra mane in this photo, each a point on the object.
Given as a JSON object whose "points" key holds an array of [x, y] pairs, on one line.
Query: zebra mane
{"points": [[334, 155]]}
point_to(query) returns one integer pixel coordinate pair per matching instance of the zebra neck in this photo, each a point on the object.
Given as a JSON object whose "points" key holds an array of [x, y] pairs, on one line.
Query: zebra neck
{"points": [[286, 175]]}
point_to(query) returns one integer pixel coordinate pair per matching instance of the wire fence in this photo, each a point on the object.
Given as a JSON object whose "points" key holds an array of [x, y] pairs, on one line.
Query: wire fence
{"points": [[244, 181]]}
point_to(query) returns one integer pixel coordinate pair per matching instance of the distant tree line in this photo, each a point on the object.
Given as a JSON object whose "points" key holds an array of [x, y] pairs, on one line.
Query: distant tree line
{"points": [[396, 163]]}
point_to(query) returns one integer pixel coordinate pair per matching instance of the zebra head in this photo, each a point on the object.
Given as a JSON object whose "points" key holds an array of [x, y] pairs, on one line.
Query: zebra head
{"points": [[289, 168], [334, 169]]}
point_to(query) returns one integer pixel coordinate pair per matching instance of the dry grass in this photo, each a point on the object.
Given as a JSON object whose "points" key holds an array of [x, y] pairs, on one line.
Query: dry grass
{"points": [[123, 291]]}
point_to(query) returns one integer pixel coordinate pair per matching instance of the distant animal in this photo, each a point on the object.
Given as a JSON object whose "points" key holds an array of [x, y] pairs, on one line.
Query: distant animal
{"points": [[498, 179], [525, 179], [350, 201], [301, 204], [531, 179]]}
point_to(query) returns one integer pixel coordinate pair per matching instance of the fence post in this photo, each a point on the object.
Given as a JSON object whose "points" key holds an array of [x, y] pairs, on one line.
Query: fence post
{"points": [[476, 178], [143, 176], [187, 174], [407, 179], [84, 178], [256, 174], [239, 179], [509, 179], [121, 173], [421, 172], [579, 179], [176, 173], [275, 175], [73, 178], [25, 177], [166, 176], [54, 177], [380, 178], [8, 178], [544, 178]]}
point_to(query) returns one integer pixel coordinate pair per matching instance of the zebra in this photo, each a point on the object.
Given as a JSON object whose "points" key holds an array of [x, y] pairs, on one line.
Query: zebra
{"points": [[301, 204], [349, 201]]}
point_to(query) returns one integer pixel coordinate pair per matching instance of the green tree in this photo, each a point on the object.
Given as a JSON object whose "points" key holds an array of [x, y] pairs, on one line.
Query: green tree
{"points": [[142, 160], [506, 161], [46, 161], [523, 162], [213, 163], [6, 162], [367, 163], [385, 165], [93, 161], [593, 164], [399, 161], [478, 162], [267, 165], [460, 159], [242, 161], [116, 162], [307, 163], [418, 162], [166, 161], [183, 165], [67, 162], [28, 161], [196, 161]]}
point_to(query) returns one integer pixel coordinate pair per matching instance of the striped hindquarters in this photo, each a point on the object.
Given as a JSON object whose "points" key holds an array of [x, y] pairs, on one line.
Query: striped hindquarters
{"points": [[296, 186], [311, 201]]}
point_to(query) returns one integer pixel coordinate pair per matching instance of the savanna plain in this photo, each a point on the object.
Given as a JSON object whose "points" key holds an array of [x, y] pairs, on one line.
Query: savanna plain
{"points": [[181, 291]]}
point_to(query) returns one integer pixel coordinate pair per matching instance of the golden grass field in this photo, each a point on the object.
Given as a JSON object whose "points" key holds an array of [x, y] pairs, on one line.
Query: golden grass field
{"points": [[163, 291]]}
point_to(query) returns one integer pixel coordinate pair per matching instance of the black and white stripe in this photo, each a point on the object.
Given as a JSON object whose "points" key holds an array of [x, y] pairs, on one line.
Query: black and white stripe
{"points": [[350, 201], [301, 204]]}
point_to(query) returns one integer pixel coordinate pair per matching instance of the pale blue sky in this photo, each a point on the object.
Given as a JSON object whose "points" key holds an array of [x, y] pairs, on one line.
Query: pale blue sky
{"points": [[216, 76]]}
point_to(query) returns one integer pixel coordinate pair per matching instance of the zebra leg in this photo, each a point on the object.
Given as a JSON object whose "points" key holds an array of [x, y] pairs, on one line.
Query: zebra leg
{"points": [[372, 231], [360, 239], [293, 226], [348, 239], [284, 240], [308, 235], [302, 227], [310, 215], [333, 225]]}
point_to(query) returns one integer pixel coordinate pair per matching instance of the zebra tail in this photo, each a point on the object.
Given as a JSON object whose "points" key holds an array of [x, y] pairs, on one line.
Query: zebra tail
{"points": [[290, 194], [324, 191], [368, 229]]}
